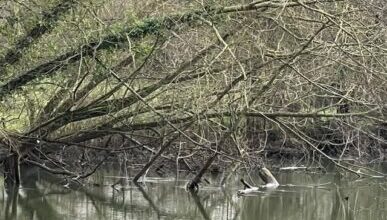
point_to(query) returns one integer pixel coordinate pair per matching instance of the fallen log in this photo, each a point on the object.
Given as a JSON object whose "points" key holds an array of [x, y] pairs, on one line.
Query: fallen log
{"points": [[294, 168], [266, 176], [193, 185]]}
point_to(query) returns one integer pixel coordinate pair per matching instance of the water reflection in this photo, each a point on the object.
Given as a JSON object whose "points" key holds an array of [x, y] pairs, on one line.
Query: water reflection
{"points": [[304, 196]]}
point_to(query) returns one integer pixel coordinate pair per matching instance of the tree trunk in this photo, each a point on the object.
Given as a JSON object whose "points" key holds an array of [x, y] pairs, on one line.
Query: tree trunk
{"points": [[193, 185], [266, 176], [11, 170]]}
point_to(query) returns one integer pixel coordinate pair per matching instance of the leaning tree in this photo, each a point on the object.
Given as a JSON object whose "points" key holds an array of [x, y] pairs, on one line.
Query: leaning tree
{"points": [[230, 81]]}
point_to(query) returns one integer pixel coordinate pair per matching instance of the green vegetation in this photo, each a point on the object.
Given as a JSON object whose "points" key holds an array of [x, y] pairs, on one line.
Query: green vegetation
{"points": [[229, 79]]}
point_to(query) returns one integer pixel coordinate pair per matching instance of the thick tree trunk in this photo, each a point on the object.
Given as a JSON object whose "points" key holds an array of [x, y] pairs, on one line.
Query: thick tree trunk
{"points": [[267, 177], [153, 159], [193, 185], [11, 170]]}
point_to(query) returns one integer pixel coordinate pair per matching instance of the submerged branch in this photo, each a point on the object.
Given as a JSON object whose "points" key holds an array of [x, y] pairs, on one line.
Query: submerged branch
{"points": [[266, 176]]}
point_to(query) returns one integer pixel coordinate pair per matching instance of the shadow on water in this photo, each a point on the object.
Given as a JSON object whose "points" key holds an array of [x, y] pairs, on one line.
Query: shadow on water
{"points": [[201, 208], [303, 196], [30, 200]]}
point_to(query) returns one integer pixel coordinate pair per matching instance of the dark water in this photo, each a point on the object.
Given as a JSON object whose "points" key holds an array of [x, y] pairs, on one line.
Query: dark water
{"points": [[303, 196]]}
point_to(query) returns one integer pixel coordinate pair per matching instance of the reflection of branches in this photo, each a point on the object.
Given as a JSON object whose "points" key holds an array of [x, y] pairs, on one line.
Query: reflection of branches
{"points": [[148, 198], [12, 201], [26, 203], [202, 210]]}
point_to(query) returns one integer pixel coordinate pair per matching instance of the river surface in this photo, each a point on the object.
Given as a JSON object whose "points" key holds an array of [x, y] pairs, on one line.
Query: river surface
{"points": [[302, 195]]}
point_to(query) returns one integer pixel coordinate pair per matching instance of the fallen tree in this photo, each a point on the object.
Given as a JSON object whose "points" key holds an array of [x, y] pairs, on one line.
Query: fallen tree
{"points": [[270, 182], [213, 83]]}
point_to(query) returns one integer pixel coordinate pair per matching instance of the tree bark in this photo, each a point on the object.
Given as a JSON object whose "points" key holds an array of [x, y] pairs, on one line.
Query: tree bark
{"points": [[11, 170], [193, 185]]}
